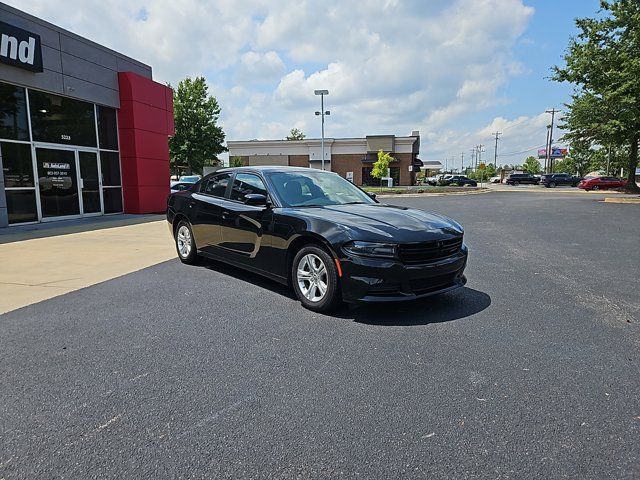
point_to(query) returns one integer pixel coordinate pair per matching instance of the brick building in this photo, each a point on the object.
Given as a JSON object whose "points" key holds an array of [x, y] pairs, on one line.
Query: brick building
{"points": [[350, 157]]}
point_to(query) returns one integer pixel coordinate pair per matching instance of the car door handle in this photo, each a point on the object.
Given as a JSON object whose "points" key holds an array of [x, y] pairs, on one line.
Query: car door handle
{"points": [[225, 214]]}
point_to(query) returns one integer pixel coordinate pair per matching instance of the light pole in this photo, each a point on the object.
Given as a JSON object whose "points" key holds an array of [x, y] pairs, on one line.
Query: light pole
{"points": [[322, 113]]}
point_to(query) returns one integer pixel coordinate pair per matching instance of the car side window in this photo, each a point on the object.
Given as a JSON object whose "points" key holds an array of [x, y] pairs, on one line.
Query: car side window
{"points": [[246, 183], [216, 186]]}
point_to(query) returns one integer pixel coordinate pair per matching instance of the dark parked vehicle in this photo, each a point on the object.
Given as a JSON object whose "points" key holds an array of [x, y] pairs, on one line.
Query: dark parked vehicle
{"points": [[552, 180], [177, 187], [522, 178], [602, 183], [319, 233], [459, 180]]}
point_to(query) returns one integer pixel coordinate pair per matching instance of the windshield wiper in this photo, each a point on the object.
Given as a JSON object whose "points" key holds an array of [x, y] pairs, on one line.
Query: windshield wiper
{"points": [[354, 203]]}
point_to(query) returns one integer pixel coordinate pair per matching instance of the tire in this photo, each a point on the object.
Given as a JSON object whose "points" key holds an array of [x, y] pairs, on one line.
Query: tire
{"points": [[595, 187], [185, 244], [311, 268], [552, 184], [515, 184]]}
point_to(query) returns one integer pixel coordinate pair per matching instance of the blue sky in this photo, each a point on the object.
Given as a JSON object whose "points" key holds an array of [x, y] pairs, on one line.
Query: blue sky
{"points": [[456, 70]]}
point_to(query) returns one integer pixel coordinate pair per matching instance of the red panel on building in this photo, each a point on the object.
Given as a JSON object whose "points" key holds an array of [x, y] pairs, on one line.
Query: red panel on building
{"points": [[145, 122]]}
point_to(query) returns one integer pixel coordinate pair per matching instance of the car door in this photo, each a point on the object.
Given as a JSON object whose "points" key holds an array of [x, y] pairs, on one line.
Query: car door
{"points": [[208, 204], [243, 226]]}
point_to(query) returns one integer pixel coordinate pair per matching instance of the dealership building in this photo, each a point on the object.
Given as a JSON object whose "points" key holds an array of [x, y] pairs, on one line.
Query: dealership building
{"points": [[352, 158], [83, 129]]}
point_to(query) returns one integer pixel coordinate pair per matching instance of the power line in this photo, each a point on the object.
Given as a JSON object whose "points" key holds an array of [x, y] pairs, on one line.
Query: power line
{"points": [[522, 151]]}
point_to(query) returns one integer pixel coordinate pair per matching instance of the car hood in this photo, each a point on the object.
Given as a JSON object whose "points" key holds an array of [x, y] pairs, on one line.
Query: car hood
{"points": [[379, 222]]}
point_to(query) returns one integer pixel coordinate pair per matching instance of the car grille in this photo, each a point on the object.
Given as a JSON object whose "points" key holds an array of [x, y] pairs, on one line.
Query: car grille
{"points": [[420, 286], [425, 252]]}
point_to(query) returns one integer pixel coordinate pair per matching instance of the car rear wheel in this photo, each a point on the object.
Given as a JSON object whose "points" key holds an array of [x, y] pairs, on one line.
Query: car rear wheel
{"points": [[185, 245], [315, 279]]}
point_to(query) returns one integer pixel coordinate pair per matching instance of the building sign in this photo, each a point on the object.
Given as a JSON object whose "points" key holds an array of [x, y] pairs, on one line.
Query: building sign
{"points": [[556, 152], [350, 176], [20, 48]]}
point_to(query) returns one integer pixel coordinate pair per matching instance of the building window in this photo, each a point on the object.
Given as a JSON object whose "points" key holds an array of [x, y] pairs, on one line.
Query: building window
{"points": [[107, 128], [394, 172], [112, 198], [21, 206], [20, 191], [56, 119], [367, 179], [17, 165], [13, 113], [111, 182]]}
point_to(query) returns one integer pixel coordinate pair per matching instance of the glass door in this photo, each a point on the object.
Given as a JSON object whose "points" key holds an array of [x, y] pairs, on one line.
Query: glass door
{"points": [[57, 182], [89, 182]]}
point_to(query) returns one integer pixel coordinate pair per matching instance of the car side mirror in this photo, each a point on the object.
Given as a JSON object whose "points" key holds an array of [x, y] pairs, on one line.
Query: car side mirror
{"points": [[256, 200], [372, 195]]}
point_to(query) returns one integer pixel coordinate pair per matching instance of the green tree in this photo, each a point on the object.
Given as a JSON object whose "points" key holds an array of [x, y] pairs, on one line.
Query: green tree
{"points": [[532, 165], [198, 139], [381, 166], [236, 161], [603, 62], [296, 134]]}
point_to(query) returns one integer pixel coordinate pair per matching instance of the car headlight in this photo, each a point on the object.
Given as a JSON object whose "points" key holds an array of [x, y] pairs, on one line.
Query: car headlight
{"points": [[371, 249]]}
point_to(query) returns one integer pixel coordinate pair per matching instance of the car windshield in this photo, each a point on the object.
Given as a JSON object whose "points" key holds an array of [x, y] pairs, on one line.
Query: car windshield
{"points": [[315, 189]]}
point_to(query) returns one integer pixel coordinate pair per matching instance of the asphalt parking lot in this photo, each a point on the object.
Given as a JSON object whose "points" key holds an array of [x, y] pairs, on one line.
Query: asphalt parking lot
{"points": [[531, 371]]}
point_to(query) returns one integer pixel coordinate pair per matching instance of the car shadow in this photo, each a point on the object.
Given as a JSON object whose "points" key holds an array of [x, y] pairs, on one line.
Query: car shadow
{"points": [[461, 303], [246, 276], [446, 307]]}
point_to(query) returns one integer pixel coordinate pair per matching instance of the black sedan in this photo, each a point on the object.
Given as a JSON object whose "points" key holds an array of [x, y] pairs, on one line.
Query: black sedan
{"points": [[459, 180], [319, 233]]}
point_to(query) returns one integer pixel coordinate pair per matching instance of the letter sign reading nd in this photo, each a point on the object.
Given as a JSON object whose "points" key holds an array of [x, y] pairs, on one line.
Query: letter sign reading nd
{"points": [[20, 48]]}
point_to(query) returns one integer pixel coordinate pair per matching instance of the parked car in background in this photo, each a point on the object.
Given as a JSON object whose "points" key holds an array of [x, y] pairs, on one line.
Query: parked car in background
{"points": [[522, 178], [180, 186], [185, 179], [497, 179], [439, 179], [552, 180], [189, 178], [459, 180], [318, 233], [601, 183]]}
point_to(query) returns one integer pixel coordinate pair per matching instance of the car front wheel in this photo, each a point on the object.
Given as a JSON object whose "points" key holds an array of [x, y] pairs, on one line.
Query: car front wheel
{"points": [[315, 279], [185, 245]]}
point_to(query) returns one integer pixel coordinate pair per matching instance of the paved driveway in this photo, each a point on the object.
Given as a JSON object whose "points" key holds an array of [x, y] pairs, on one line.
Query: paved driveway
{"points": [[207, 372]]}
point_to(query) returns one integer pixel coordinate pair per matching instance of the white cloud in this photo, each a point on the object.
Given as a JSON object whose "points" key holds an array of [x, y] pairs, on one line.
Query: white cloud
{"points": [[391, 66]]}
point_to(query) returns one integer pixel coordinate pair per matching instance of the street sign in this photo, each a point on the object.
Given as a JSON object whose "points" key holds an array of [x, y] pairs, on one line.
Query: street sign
{"points": [[482, 166]]}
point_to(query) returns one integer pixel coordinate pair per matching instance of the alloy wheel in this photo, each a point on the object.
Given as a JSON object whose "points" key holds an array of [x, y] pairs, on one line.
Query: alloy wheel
{"points": [[183, 240], [312, 277]]}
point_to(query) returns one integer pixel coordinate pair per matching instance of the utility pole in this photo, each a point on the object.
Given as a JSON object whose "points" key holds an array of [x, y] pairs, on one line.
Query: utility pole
{"points": [[479, 155], [495, 154], [546, 151], [553, 112], [473, 156], [462, 163]]}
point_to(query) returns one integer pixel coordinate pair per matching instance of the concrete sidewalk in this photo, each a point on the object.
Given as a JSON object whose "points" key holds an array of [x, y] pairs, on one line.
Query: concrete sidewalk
{"points": [[40, 268]]}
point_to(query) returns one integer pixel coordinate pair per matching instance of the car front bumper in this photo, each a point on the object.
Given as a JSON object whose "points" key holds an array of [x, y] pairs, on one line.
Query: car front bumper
{"points": [[366, 279]]}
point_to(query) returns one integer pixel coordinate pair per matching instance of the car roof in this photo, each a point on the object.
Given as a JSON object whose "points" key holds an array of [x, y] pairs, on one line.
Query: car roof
{"points": [[266, 168]]}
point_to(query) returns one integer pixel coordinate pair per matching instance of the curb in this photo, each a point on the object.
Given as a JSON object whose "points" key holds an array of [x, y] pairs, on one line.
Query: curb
{"points": [[633, 200], [427, 194], [553, 190]]}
